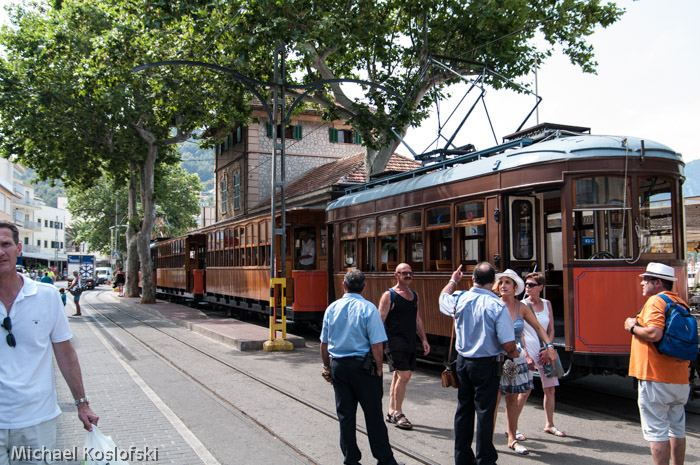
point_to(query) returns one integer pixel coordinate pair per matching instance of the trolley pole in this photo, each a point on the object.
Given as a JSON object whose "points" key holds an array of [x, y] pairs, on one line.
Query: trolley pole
{"points": [[278, 277]]}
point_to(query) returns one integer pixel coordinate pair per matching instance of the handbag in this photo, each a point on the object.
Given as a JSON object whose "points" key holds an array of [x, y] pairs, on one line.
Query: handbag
{"points": [[553, 369], [449, 375]]}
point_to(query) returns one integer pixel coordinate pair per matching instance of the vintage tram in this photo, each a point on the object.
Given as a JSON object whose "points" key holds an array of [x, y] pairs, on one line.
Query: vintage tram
{"points": [[228, 265], [588, 211]]}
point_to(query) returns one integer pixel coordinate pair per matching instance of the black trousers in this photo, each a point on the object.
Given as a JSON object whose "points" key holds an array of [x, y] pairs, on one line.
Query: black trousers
{"points": [[352, 385], [477, 394]]}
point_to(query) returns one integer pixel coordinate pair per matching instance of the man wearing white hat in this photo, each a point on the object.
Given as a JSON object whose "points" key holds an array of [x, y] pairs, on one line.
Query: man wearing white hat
{"points": [[663, 387]]}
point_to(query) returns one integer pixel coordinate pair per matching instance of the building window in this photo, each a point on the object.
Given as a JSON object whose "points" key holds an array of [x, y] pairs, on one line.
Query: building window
{"points": [[344, 136], [236, 191], [38, 242], [290, 132], [224, 198]]}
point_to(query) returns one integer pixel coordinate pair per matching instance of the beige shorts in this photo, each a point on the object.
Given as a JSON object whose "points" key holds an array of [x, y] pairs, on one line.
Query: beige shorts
{"points": [[662, 410], [22, 442]]}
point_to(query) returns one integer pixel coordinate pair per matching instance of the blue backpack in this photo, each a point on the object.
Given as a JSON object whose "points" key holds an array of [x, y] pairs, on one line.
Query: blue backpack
{"points": [[680, 339]]}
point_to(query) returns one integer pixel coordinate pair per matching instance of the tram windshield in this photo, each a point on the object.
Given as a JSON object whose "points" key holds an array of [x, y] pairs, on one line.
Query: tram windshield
{"points": [[656, 215], [602, 218]]}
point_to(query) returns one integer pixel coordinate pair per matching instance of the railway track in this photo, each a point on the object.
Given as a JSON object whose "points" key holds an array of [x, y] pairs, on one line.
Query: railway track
{"points": [[174, 363]]}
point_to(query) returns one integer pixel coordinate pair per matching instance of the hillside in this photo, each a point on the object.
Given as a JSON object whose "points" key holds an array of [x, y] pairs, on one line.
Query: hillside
{"points": [[691, 187]]}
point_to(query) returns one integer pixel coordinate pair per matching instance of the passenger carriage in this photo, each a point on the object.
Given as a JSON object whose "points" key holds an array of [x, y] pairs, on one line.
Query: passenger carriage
{"points": [[588, 211]]}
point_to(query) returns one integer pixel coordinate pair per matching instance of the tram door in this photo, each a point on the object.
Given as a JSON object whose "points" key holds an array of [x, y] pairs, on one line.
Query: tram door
{"points": [[523, 240], [534, 240]]}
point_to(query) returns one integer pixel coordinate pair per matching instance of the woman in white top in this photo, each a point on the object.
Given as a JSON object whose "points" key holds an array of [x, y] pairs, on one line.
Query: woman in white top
{"points": [[534, 284]]}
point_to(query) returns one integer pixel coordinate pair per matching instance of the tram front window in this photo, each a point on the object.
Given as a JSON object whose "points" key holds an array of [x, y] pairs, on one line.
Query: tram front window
{"points": [[602, 219], [473, 241], [656, 215]]}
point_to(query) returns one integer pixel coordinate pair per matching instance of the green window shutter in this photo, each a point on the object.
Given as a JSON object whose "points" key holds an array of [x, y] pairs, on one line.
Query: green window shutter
{"points": [[239, 133], [297, 132], [226, 144], [358, 138], [332, 135], [269, 130]]}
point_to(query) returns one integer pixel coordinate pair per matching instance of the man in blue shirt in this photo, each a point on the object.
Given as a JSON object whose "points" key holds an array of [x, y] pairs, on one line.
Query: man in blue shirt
{"points": [[352, 328], [483, 330]]}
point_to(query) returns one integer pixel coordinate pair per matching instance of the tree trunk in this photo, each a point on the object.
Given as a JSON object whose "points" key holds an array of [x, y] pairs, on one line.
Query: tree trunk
{"points": [[148, 205], [131, 288], [376, 160]]}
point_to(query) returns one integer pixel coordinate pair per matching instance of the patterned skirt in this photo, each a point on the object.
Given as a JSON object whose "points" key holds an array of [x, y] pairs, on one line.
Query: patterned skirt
{"points": [[522, 383]]}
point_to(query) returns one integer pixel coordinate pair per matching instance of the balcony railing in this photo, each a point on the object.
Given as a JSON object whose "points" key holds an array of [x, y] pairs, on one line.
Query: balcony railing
{"points": [[35, 225], [30, 248], [27, 202]]}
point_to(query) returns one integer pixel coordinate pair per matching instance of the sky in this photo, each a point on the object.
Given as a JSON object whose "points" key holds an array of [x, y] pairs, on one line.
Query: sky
{"points": [[645, 84]]}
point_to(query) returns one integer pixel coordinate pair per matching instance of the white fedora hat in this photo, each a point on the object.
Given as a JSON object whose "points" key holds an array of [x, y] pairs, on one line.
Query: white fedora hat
{"points": [[661, 271], [519, 284]]}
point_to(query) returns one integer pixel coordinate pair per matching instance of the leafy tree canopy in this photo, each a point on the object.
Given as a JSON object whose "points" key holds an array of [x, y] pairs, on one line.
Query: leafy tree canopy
{"points": [[386, 42], [98, 208]]}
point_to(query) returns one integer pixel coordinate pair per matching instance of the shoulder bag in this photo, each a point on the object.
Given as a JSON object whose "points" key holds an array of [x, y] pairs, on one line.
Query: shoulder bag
{"points": [[449, 375]]}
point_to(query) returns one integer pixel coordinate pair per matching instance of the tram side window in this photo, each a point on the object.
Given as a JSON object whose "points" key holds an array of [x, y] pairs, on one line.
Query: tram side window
{"points": [[236, 248], [601, 218], [656, 215], [439, 228], [254, 244], [412, 239], [523, 221], [471, 227], [347, 238], [388, 242], [367, 244]]}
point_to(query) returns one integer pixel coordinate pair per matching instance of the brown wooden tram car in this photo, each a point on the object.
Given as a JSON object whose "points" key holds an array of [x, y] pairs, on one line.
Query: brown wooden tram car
{"points": [[228, 265], [589, 211]]}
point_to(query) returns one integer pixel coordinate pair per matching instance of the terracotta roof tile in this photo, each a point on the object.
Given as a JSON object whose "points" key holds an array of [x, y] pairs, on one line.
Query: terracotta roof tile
{"points": [[344, 171]]}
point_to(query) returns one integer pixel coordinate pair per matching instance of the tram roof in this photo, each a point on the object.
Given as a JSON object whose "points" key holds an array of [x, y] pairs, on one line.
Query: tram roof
{"points": [[502, 158]]}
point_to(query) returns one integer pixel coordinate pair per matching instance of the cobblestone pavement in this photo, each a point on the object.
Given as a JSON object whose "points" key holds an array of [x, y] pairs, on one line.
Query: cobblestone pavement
{"points": [[122, 401]]}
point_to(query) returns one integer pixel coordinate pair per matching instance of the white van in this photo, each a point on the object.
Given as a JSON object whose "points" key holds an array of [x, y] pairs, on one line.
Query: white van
{"points": [[104, 275]]}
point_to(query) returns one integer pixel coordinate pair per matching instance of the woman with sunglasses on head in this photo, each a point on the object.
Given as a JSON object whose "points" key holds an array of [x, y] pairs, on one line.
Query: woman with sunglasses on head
{"points": [[542, 309], [509, 285]]}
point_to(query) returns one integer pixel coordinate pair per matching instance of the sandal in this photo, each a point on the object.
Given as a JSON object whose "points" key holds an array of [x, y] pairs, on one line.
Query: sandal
{"points": [[402, 422], [555, 431], [390, 418], [518, 436], [518, 449]]}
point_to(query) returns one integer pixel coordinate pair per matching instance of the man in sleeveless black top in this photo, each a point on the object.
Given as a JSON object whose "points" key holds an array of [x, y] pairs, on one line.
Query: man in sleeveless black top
{"points": [[398, 308]]}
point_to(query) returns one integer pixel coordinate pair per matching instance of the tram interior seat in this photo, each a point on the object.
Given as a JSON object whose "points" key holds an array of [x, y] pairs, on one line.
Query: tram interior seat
{"points": [[416, 266], [389, 266], [443, 265]]}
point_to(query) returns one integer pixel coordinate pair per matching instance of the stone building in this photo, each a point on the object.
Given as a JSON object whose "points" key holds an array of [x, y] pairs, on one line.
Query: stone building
{"points": [[243, 161]]}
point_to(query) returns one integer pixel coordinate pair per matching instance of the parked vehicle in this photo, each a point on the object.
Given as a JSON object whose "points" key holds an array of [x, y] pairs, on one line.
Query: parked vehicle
{"points": [[104, 275], [85, 266]]}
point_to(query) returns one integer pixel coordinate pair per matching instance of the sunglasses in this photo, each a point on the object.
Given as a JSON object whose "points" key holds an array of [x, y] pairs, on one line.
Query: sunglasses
{"points": [[406, 273], [7, 324], [531, 284]]}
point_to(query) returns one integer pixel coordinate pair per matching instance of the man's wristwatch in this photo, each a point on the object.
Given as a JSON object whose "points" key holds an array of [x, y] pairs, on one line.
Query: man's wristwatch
{"points": [[632, 329], [82, 400]]}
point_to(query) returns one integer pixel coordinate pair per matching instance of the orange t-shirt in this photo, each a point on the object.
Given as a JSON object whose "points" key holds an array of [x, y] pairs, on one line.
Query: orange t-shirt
{"points": [[645, 360]]}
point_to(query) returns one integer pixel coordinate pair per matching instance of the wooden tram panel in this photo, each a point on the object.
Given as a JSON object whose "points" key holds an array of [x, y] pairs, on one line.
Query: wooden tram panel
{"points": [[596, 295], [218, 257]]}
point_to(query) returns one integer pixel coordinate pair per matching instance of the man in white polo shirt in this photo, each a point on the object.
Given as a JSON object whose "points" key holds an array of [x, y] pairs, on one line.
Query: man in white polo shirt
{"points": [[35, 328]]}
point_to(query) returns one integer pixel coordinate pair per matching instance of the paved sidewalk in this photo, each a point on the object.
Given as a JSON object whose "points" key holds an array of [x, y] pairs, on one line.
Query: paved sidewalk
{"points": [[127, 414], [238, 334]]}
